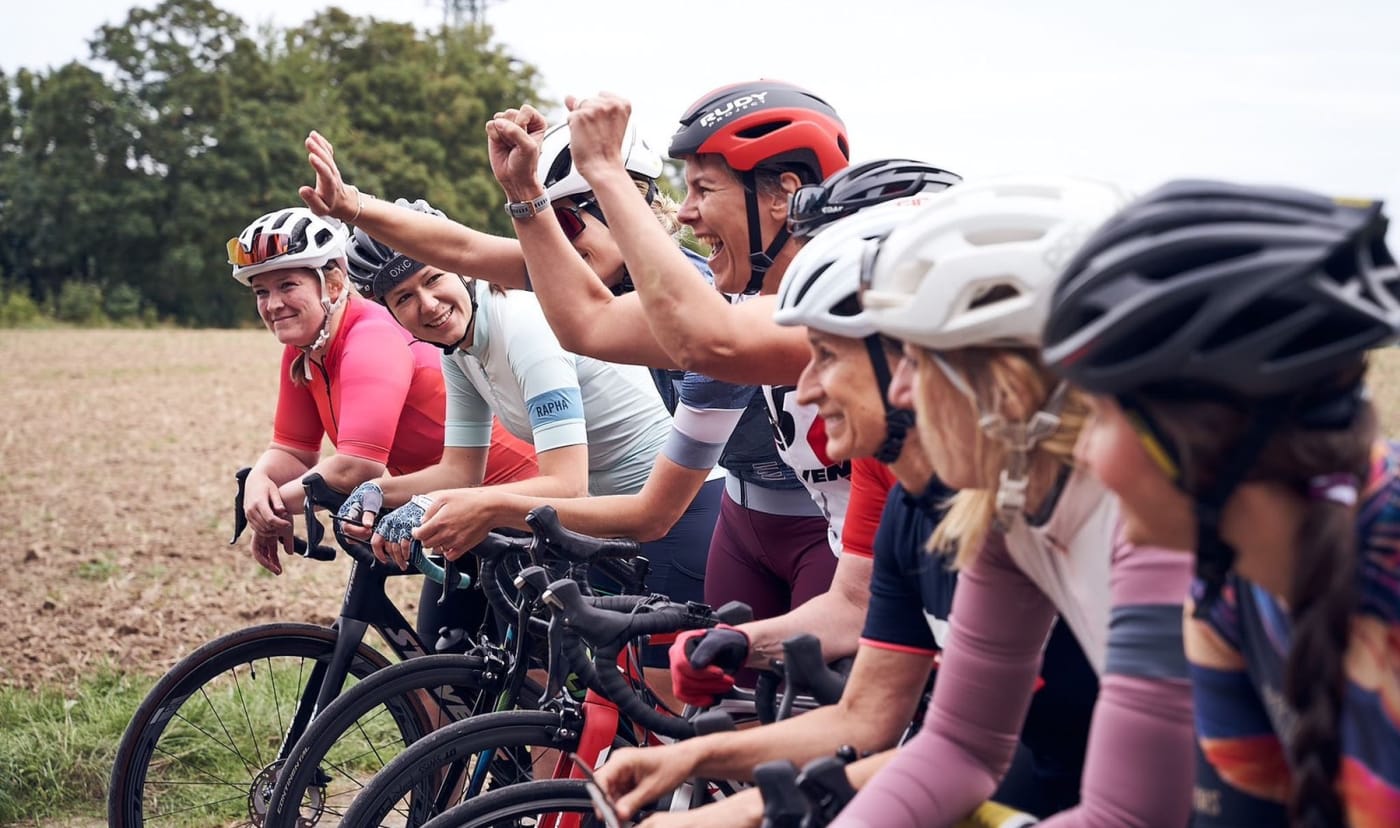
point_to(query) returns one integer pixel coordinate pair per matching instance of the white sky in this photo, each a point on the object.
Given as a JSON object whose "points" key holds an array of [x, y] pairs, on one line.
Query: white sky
{"points": [[1288, 91]]}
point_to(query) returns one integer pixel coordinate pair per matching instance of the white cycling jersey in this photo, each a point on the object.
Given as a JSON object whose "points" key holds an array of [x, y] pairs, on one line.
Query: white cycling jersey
{"points": [[543, 394]]}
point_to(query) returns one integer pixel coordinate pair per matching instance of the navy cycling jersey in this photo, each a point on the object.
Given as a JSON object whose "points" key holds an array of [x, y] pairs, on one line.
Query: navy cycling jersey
{"points": [[911, 591]]}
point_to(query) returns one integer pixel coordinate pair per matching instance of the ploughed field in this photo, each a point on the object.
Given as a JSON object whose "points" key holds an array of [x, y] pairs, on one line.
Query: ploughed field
{"points": [[117, 453]]}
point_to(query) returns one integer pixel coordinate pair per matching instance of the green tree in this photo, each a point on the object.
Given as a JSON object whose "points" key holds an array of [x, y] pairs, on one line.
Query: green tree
{"points": [[129, 174]]}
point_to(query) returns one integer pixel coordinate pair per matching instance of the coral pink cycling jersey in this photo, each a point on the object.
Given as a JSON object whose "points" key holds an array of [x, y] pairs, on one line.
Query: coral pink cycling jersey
{"points": [[379, 396]]}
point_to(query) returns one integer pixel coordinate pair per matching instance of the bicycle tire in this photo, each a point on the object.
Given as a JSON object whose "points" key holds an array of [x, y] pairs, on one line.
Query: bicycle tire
{"points": [[504, 808], [505, 738], [344, 731], [230, 683]]}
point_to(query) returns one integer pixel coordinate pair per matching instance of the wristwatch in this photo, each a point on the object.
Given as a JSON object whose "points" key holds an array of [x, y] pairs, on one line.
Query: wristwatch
{"points": [[528, 209]]}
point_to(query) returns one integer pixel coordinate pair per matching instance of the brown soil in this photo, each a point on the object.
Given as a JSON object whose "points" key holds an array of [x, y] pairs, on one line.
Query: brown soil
{"points": [[117, 453]]}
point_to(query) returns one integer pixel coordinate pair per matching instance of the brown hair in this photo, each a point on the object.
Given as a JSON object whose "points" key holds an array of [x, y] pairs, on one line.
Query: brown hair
{"points": [[1014, 383], [1322, 594]]}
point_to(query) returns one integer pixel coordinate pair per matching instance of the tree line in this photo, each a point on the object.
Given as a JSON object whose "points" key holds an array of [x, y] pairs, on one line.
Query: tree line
{"points": [[122, 176]]}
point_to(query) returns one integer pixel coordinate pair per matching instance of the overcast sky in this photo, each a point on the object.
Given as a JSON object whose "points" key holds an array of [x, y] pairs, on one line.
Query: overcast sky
{"points": [[1285, 91]]}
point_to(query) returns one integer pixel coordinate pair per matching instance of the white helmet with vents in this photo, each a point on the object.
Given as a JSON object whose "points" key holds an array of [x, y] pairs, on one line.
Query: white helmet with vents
{"points": [[294, 237], [820, 288], [978, 266], [561, 179]]}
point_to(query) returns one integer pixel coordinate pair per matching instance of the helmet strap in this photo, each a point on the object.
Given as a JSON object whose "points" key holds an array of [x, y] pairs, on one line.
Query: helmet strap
{"points": [[448, 350], [897, 420], [760, 260], [328, 309]]}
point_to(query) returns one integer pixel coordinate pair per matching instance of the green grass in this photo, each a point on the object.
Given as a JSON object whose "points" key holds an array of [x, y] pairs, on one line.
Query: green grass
{"points": [[56, 749]]}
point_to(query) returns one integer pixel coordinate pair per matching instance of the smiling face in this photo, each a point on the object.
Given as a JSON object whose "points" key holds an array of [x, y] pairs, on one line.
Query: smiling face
{"points": [[840, 381], [433, 305], [715, 209], [1155, 511], [289, 303]]}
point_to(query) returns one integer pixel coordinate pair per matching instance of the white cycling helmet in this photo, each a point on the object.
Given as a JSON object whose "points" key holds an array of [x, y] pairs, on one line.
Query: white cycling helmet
{"points": [[977, 268], [561, 178], [294, 237], [821, 286], [821, 290]]}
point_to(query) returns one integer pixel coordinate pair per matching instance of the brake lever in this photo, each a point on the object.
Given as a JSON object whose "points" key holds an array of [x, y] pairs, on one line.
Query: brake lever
{"points": [[240, 518]]}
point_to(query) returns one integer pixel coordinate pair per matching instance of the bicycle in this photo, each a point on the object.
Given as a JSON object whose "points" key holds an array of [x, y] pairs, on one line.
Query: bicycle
{"points": [[245, 698], [502, 685], [571, 730]]}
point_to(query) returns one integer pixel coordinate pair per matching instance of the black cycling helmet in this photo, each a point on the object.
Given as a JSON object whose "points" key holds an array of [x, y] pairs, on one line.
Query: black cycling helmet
{"points": [[1256, 292], [764, 125], [376, 268], [814, 206], [1260, 297]]}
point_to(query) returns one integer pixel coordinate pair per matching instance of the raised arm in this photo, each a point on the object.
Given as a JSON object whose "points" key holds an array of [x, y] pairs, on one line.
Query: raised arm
{"points": [[694, 323], [585, 315], [430, 239]]}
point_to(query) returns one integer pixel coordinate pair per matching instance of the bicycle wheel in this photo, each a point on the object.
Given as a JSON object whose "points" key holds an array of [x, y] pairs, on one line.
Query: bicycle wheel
{"points": [[483, 753], [202, 747], [530, 803], [347, 742]]}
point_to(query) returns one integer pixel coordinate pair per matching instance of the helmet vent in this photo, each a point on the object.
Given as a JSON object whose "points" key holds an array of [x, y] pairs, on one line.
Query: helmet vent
{"points": [[1198, 256], [994, 294], [1263, 313], [562, 166], [849, 306], [989, 236], [760, 130]]}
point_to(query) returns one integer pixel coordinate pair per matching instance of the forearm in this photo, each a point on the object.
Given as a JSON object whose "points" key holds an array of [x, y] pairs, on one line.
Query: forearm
{"points": [[281, 465], [609, 516], [341, 472], [684, 312], [443, 243], [800, 739], [584, 315], [398, 490], [835, 617]]}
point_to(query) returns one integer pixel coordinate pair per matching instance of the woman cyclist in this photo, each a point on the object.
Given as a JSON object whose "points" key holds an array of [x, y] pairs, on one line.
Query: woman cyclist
{"points": [[596, 427], [965, 287], [783, 137], [909, 594], [703, 669], [348, 372], [1231, 417]]}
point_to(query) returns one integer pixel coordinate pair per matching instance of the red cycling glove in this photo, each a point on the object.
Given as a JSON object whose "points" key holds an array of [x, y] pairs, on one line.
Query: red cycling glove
{"points": [[703, 663]]}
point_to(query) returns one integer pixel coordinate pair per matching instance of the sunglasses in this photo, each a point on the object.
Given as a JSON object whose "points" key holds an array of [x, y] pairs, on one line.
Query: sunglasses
{"points": [[266, 246], [571, 218]]}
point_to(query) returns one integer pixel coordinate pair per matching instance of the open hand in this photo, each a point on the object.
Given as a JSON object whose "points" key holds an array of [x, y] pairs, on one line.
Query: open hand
{"points": [[331, 196]]}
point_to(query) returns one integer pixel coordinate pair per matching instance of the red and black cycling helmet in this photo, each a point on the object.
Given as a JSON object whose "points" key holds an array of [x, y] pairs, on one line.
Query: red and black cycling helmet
{"points": [[764, 126]]}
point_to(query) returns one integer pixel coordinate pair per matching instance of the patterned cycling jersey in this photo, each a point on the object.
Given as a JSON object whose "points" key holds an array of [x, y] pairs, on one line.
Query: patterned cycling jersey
{"points": [[723, 423], [376, 395], [550, 397], [1239, 657], [801, 439]]}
